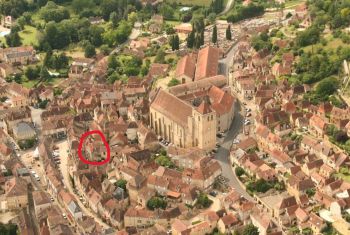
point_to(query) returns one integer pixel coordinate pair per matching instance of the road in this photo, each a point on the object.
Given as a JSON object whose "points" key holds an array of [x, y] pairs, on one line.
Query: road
{"points": [[227, 7], [133, 35], [223, 153], [63, 147]]}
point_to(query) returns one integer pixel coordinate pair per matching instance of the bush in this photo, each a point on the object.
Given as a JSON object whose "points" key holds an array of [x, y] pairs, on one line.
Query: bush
{"points": [[173, 82]]}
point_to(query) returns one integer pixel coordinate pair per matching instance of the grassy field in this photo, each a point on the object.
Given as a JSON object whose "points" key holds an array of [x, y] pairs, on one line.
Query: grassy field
{"points": [[293, 3], [29, 35], [332, 44], [192, 2]]}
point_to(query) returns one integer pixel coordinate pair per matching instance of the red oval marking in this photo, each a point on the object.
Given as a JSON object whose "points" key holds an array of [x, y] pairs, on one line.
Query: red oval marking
{"points": [[81, 142]]}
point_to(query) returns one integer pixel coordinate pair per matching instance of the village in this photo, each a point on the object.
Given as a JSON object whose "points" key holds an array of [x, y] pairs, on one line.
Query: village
{"points": [[214, 139]]}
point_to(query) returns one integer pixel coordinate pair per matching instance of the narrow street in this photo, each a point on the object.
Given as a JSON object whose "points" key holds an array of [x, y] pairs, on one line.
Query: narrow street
{"points": [[63, 146], [223, 154]]}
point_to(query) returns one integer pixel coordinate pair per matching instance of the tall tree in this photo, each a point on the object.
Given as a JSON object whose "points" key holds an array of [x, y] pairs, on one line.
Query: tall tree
{"points": [[228, 33], [214, 37], [113, 18], [175, 41], [190, 40]]}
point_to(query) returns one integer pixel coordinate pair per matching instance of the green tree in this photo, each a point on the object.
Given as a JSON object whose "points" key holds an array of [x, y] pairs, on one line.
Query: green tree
{"points": [[89, 51], [44, 73], [156, 202], [165, 161], [190, 40], [121, 183], [250, 229], [8, 229], [214, 37], [160, 56], [203, 201], [228, 33], [327, 87], [239, 171], [13, 39], [32, 73], [113, 18]]}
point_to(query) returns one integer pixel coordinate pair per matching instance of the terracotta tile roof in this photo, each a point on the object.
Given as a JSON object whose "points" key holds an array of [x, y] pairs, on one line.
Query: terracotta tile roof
{"points": [[172, 107], [207, 63], [204, 108], [186, 66], [222, 102], [229, 219]]}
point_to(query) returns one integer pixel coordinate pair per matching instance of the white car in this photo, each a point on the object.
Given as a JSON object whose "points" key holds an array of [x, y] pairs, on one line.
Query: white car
{"points": [[236, 141], [247, 122], [248, 110]]}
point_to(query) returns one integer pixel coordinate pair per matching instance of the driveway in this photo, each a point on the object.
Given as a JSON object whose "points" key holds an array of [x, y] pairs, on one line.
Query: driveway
{"points": [[223, 153]]}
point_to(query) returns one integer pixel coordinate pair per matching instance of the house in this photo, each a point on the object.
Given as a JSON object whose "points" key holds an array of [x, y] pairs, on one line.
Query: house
{"points": [[7, 70], [17, 55], [41, 201], [8, 21], [16, 194], [139, 218], [317, 126], [23, 131], [317, 224], [156, 24], [227, 223], [140, 43], [264, 224], [279, 70], [183, 29]]}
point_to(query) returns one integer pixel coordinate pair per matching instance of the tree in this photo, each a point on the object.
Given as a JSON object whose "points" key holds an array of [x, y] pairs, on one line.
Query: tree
{"points": [[32, 73], [121, 183], [250, 229], [13, 39], [160, 56], [214, 38], [173, 82], [174, 42], [44, 73], [203, 201], [228, 33], [156, 202], [190, 40], [165, 161], [8, 229], [90, 51], [327, 87], [113, 18], [239, 171]]}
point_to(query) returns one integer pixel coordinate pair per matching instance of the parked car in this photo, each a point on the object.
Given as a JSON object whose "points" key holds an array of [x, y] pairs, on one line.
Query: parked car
{"points": [[248, 115], [236, 141], [213, 193]]}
